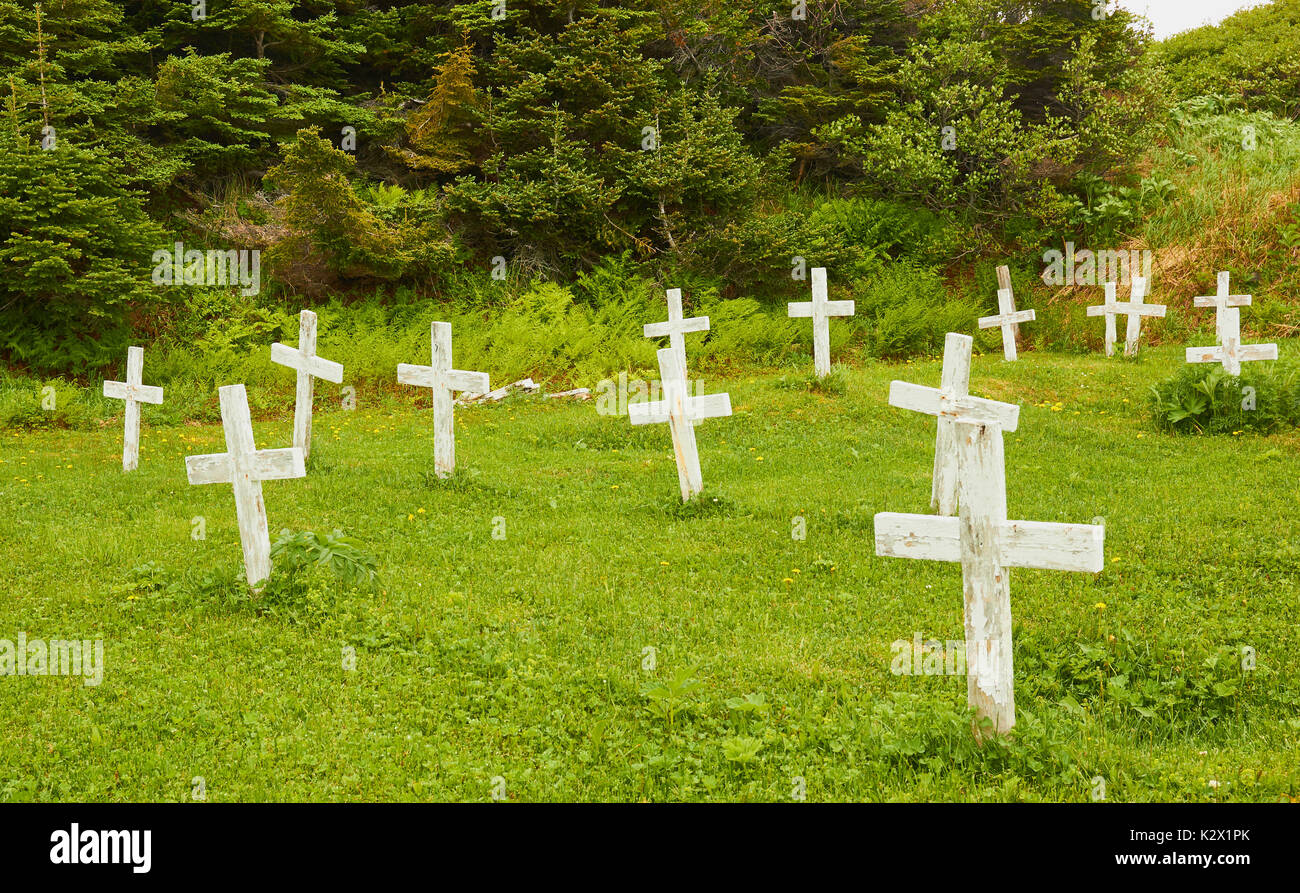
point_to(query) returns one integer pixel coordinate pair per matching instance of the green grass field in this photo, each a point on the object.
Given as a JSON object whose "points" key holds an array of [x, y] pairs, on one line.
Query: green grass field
{"points": [[520, 663]]}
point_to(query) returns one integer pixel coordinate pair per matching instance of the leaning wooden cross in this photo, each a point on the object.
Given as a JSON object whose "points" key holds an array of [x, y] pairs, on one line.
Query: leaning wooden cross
{"points": [[1007, 318], [676, 327], [950, 401], [310, 367], [1133, 308], [1227, 332], [820, 310], [443, 380], [987, 545], [134, 393], [680, 410], [245, 466]]}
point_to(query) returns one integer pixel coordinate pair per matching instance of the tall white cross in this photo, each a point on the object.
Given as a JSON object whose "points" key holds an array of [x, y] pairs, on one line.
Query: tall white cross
{"points": [[443, 380], [245, 466], [1227, 332], [134, 393], [680, 411], [1221, 302], [820, 310], [950, 401], [309, 367], [988, 545], [1008, 318], [1133, 308]]}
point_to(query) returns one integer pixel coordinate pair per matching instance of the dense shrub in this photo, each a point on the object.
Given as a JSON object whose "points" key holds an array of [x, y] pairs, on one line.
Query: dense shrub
{"points": [[1204, 399]]}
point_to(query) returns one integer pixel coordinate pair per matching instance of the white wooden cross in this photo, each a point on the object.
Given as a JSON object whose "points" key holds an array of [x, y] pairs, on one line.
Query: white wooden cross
{"points": [[134, 393], [245, 466], [949, 401], [309, 367], [1221, 302], [1008, 318], [820, 310], [988, 545], [1227, 331], [680, 410], [1133, 308], [443, 380]]}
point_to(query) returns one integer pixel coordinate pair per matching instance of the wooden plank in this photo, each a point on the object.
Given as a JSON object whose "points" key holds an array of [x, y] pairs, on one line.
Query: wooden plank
{"points": [[1051, 546], [986, 584], [918, 398], [954, 380], [673, 372], [928, 537], [420, 376], [278, 465], [444, 433], [213, 468]]}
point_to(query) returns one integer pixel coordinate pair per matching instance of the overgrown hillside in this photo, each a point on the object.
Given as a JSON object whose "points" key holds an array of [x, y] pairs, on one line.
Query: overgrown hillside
{"points": [[539, 178]]}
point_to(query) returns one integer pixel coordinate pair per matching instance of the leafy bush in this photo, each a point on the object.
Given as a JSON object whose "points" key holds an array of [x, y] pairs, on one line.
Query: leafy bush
{"points": [[1204, 399]]}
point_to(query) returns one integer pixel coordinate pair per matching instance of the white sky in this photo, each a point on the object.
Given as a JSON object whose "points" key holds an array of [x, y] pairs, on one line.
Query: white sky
{"points": [[1172, 16]]}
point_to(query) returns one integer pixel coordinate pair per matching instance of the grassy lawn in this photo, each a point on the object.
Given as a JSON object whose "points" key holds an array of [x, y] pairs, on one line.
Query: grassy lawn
{"points": [[525, 657]]}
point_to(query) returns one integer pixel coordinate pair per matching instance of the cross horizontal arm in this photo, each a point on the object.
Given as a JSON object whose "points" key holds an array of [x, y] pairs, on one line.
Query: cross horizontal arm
{"points": [[931, 401], [1102, 309], [659, 329], [1031, 544], [285, 355], [420, 376], [804, 309], [1228, 301], [710, 406], [213, 468], [647, 413], [116, 390], [1129, 308], [278, 465], [474, 382], [989, 322], [325, 369]]}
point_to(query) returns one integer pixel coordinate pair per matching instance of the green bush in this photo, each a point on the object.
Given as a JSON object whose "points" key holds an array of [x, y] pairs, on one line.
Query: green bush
{"points": [[1204, 399]]}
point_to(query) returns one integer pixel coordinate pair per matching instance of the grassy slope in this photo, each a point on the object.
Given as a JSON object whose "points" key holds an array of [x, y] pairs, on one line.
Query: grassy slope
{"points": [[523, 657]]}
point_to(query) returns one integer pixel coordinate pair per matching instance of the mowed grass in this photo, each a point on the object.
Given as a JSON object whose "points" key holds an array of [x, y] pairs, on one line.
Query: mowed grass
{"points": [[520, 664]]}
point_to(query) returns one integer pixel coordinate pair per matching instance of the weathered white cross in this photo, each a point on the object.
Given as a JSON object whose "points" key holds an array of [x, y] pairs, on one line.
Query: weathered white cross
{"points": [[676, 327], [1008, 318], [309, 367], [988, 545], [949, 401], [246, 467], [680, 410], [134, 393], [1221, 302], [820, 310], [1227, 332], [443, 380], [1133, 308]]}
